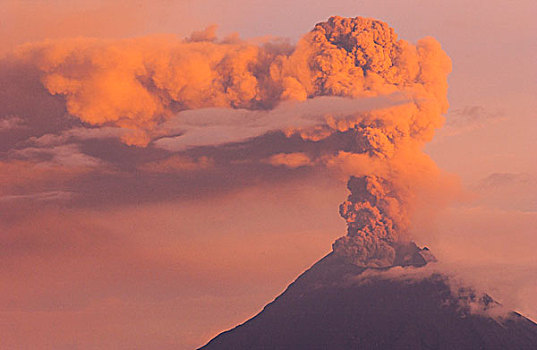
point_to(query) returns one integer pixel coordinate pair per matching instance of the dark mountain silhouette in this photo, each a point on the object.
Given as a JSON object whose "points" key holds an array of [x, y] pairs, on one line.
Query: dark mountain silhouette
{"points": [[338, 305]]}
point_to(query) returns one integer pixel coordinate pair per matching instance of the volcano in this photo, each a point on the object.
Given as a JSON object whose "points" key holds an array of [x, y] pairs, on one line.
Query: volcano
{"points": [[377, 290], [339, 305]]}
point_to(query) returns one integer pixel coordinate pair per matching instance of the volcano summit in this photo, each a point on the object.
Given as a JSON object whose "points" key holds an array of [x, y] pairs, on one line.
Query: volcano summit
{"points": [[338, 305]]}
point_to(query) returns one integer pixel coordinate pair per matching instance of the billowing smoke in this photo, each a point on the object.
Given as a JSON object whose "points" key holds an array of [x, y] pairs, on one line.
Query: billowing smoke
{"points": [[169, 93], [137, 83], [374, 218]]}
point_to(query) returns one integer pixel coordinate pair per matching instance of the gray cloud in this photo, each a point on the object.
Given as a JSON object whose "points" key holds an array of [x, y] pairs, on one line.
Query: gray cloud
{"points": [[508, 191], [217, 126], [467, 119], [496, 180]]}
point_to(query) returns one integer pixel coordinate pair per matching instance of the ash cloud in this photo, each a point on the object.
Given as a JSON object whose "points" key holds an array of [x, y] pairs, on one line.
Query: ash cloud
{"points": [[137, 83], [375, 220], [349, 97]]}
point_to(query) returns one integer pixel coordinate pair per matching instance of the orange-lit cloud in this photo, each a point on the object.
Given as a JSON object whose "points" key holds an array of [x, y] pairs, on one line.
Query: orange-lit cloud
{"points": [[350, 96], [290, 160], [137, 83], [178, 164]]}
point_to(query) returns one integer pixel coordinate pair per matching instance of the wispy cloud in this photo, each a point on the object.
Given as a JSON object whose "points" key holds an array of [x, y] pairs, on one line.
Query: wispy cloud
{"points": [[78, 133], [10, 123], [468, 119], [217, 126], [68, 155], [38, 196], [496, 180]]}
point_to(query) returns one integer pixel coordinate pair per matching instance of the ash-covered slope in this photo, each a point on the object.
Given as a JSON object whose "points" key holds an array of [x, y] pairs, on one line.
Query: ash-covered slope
{"points": [[333, 305]]}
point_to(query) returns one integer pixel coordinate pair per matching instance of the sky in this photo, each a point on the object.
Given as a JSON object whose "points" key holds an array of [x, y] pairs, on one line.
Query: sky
{"points": [[118, 236]]}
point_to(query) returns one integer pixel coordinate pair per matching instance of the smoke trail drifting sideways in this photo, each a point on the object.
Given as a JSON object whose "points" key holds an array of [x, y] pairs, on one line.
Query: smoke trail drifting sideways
{"points": [[215, 126]]}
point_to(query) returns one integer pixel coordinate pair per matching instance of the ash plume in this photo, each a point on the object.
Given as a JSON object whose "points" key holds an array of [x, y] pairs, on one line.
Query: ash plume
{"points": [[386, 153], [362, 102], [375, 219]]}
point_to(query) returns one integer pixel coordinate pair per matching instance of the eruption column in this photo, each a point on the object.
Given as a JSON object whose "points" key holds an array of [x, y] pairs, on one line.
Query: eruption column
{"points": [[374, 220]]}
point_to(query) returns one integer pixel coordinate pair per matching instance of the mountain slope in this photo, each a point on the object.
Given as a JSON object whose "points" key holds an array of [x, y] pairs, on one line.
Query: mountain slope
{"points": [[337, 305]]}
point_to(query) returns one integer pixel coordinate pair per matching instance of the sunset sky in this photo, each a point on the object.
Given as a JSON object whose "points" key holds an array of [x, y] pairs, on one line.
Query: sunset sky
{"points": [[119, 234]]}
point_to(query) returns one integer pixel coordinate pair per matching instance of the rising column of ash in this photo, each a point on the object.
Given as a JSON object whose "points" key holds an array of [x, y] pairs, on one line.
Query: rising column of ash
{"points": [[363, 57], [371, 231]]}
